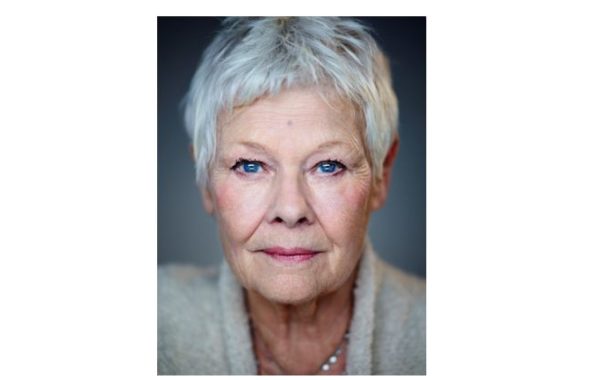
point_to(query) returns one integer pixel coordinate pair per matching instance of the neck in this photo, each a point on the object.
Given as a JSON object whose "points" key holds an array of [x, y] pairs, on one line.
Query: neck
{"points": [[298, 338]]}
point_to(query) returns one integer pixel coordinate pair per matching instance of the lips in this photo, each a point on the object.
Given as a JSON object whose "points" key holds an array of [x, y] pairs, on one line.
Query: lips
{"points": [[290, 255]]}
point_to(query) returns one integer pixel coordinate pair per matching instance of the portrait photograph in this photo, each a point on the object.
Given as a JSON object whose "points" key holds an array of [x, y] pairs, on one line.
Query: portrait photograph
{"points": [[425, 189], [291, 195]]}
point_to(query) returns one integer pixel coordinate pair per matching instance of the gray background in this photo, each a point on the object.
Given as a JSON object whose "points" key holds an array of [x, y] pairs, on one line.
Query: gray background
{"points": [[187, 234]]}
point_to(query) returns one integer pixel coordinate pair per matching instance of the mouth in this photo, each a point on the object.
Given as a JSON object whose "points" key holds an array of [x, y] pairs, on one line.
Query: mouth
{"points": [[290, 255]]}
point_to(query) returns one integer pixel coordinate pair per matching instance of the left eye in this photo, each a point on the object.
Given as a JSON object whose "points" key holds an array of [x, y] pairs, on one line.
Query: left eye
{"points": [[251, 167], [247, 166], [330, 167]]}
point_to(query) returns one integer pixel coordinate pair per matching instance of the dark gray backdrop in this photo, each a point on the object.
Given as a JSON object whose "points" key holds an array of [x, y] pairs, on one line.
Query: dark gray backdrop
{"points": [[187, 234]]}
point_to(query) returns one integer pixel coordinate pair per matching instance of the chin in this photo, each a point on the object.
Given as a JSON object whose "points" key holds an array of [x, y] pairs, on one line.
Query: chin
{"points": [[288, 289]]}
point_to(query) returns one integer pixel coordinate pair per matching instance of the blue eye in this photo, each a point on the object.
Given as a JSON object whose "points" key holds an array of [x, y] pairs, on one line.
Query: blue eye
{"points": [[251, 167], [247, 166], [329, 167]]}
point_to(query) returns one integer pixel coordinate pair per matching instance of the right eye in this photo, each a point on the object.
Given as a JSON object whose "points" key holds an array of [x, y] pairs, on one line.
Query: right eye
{"points": [[247, 166]]}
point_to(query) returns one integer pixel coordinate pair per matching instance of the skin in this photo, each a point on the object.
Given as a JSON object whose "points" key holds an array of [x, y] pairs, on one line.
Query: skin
{"points": [[299, 311]]}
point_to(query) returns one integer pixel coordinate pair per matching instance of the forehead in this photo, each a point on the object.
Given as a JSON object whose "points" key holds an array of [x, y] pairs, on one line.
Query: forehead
{"points": [[302, 113]]}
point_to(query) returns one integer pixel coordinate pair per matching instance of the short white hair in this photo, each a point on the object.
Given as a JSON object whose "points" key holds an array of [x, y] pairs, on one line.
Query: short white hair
{"points": [[254, 57]]}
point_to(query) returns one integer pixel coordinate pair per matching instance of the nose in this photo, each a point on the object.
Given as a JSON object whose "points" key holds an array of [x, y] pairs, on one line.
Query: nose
{"points": [[289, 205]]}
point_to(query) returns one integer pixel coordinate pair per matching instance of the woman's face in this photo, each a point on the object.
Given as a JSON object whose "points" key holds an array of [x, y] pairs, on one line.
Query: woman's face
{"points": [[291, 188]]}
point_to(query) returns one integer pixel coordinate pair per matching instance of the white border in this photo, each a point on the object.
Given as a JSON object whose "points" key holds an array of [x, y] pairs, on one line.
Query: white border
{"points": [[520, 185]]}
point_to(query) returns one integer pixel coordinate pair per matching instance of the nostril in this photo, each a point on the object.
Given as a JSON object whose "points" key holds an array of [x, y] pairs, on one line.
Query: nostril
{"points": [[301, 221]]}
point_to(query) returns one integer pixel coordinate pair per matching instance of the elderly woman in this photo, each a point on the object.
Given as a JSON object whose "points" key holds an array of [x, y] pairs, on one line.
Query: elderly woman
{"points": [[293, 123]]}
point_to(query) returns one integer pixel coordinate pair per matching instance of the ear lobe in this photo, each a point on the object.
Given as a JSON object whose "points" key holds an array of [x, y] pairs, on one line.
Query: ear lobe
{"points": [[381, 187]]}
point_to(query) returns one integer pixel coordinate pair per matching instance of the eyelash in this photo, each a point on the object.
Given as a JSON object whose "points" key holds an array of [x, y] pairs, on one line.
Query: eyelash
{"points": [[342, 167], [242, 161]]}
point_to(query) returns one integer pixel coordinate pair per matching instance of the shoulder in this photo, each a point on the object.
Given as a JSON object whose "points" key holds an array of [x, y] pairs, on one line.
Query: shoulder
{"points": [[189, 321], [400, 298], [400, 322], [185, 278], [183, 288], [397, 285]]}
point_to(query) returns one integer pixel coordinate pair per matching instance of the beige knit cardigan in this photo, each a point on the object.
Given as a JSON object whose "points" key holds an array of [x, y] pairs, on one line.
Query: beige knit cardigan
{"points": [[203, 324]]}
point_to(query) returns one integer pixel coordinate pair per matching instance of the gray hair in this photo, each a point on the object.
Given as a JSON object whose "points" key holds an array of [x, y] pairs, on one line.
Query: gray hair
{"points": [[253, 57]]}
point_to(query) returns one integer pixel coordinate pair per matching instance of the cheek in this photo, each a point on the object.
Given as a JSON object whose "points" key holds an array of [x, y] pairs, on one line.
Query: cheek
{"points": [[240, 207], [342, 209]]}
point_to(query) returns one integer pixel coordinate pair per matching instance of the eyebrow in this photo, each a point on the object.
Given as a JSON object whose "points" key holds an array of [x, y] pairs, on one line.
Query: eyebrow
{"points": [[254, 145], [330, 144], [325, 145]]}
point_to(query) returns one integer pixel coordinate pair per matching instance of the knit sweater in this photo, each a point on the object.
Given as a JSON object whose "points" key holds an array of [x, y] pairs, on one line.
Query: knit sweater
{"points": [[203, 325]]}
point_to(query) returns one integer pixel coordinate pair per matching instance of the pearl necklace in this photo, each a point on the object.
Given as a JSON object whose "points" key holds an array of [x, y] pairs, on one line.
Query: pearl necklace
{"points": [[331, 360], [326, 366]]}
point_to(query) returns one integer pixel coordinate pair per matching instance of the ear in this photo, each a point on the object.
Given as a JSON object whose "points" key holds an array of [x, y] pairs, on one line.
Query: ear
{"points": [[191, 149], [381, 187], [206, 197]]}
